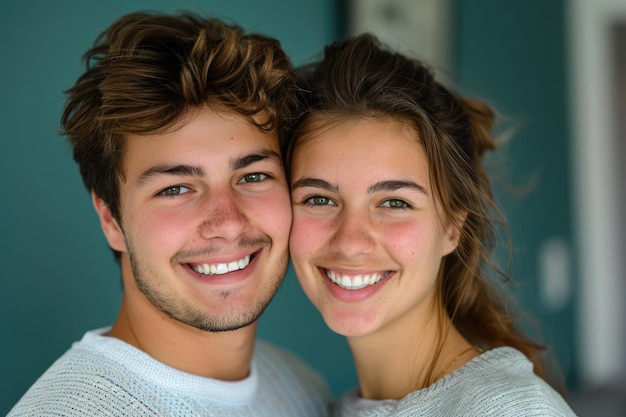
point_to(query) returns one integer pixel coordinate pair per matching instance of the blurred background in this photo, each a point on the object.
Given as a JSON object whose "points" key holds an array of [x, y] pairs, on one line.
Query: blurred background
{"points": [[555, 70]]}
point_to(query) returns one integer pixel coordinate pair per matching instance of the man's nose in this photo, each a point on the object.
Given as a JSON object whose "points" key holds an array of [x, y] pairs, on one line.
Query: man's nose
{"points": [[223, 216]]}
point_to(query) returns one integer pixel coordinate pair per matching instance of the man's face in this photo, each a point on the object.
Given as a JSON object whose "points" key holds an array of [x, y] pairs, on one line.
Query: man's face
{"points": [[205, 219]]}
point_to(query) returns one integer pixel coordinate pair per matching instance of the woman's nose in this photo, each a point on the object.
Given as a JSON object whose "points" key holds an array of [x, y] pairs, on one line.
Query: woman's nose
{"points": [[352, 235]]}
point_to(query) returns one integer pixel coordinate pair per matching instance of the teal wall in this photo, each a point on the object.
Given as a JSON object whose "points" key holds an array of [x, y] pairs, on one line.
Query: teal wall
{"points": [[57, 277], [513, 53]]}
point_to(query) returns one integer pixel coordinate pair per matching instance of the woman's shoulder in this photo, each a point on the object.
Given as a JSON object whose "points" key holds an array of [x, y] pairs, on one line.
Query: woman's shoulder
{"points": [[502, 363], [499, 382]]}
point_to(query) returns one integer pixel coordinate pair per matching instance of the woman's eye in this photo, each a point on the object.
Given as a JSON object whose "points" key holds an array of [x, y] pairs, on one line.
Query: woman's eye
{"points": [[395, 203], [254, 177], [174, 190], [319, 200]]}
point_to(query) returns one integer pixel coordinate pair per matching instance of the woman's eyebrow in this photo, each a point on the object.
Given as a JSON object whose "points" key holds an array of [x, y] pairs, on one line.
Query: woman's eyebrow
{"points": [[315, 183], [392, 185]]}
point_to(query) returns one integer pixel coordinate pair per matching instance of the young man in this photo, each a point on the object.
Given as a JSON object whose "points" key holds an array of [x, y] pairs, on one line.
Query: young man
{"points": [[175, 126]]}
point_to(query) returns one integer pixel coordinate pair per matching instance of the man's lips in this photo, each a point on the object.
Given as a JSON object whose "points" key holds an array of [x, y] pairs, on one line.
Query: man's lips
{"points": [[222, 268]]}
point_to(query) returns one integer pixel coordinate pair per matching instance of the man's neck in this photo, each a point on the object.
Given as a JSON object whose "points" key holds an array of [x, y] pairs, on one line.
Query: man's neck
{"points": [[220, 355]]}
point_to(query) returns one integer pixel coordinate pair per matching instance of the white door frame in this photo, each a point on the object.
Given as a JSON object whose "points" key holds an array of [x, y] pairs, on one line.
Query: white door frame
{"points": [[596, 192]]}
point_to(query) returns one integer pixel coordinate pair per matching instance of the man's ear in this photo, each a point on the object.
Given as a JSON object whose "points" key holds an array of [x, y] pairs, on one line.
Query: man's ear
{"points": [[453, 232], [110, 227]]}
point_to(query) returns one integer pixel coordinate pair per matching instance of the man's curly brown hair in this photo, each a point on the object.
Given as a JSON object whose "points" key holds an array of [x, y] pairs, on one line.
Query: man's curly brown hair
{"points": [[148, 70]]}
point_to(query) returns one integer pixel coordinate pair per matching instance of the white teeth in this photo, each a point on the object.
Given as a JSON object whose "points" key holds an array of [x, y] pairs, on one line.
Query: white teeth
{"points": [[356, 282], [222, 268], [346, 282]]}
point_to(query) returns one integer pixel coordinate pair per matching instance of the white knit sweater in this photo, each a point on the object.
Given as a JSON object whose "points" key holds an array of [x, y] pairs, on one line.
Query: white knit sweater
{"points": [[498, 383], [104, 376]]}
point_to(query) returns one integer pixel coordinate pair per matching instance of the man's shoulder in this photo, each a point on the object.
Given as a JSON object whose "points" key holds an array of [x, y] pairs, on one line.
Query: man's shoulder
{"points": [[278, 360], [80, 382], [281, 369]]}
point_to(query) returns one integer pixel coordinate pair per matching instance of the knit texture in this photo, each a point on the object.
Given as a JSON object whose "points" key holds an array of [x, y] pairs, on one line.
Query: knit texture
{"points": [[104, 376], [498, 383]]}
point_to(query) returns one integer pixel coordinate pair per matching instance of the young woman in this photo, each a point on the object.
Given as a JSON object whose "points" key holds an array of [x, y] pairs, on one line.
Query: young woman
{"points": [[393, 227]]}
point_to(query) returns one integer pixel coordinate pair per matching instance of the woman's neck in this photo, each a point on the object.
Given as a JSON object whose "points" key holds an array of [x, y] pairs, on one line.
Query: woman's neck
{"points": [[395, 361]]}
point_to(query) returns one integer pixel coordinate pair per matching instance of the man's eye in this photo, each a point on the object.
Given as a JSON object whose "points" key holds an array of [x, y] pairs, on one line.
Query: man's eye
{"points": [[395, 203], [319, 200], [254, 177], [174, 190]]}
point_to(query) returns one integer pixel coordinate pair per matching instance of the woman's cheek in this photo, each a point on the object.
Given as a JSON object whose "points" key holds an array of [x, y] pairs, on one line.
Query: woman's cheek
{"points": [[306, 236]]}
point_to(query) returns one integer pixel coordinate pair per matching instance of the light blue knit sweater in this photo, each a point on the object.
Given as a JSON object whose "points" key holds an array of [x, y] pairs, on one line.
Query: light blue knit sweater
{"points": [[104, 376], [498, 383]]}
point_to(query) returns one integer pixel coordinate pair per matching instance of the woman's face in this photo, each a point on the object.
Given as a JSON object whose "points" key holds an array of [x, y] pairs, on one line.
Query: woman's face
{"points": [[367, 240]]}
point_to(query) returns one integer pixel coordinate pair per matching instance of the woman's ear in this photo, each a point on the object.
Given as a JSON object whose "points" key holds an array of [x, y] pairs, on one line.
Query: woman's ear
{"points": [[453, 232], [111, 229]]}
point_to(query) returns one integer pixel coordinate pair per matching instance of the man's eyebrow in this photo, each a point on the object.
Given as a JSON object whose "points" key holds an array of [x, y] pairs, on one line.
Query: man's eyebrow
{"points": [[315, 183], [395, 185], [176, 170], [249, 159]]}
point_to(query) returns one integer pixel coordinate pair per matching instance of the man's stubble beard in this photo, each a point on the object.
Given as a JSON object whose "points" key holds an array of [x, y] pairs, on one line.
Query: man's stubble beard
{"points": [[180, 309]]}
